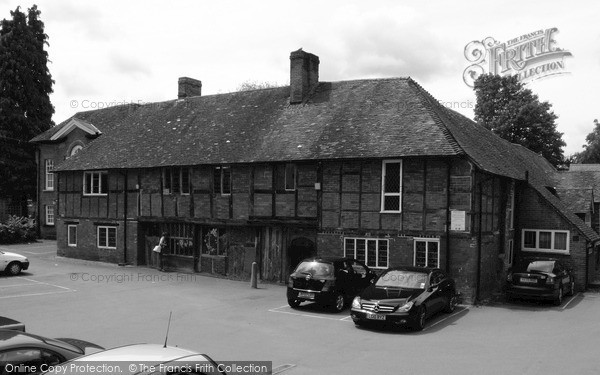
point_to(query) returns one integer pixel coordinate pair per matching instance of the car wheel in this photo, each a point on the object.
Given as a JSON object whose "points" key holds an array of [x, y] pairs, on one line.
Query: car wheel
{"points": [[14, 268], [558, 300], [293, 303], [421, 317], [572, 288], [451, 304], [339, 302]]}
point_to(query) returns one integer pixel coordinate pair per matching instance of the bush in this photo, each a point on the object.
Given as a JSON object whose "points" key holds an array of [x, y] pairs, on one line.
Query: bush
{"points": [[17, 229]]}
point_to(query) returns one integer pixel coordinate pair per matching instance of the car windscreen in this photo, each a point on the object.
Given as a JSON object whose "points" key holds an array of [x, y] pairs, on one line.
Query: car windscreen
{"points": [[402, 279], [315, 268], [541, 266]]}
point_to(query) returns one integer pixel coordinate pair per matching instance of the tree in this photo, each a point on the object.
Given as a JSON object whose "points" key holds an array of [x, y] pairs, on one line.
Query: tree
{"points": [[255, 85], [514, 113], [25, 108], [591, 151]]}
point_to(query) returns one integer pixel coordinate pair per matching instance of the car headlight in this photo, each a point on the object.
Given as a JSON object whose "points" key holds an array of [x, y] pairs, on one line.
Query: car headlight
{"points": [[356, 303], [406, 307]]}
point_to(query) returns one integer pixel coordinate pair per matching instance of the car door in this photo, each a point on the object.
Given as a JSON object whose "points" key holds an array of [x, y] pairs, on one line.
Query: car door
{"points": [[28, 360], [361, 276], [436, 299]]}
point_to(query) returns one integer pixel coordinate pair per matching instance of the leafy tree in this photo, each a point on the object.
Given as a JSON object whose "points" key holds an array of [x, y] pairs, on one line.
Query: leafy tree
{"points": [[25, 108], [255, 85], [513, 112], [591, 151]]}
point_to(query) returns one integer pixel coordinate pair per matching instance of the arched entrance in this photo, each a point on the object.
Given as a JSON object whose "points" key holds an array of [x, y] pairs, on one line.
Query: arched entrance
{"points": [[299, 249]]}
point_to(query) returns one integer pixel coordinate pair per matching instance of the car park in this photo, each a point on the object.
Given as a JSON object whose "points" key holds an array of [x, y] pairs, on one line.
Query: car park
{"points": [[12, 263], [138, 359], [328, 281], [405, 296], [8, 323], [540, 278], [25, 353]]}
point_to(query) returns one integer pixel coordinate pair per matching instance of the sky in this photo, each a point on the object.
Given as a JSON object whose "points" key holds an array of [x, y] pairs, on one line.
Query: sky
{"points": [[109, 52]]}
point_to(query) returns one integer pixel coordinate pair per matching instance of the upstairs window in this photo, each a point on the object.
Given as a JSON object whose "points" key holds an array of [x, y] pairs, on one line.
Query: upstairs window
{"points": [[222, 180], [176, 180], [95, 183], [551, 241], [49, 168], [391, 186], [290, 177]]}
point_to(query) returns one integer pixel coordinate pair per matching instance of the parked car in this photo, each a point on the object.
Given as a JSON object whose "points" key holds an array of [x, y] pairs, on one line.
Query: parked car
{"points": [[540, 278], [12, 263], [8, 323], [143, 359], [25, 353], [405, 296], [328, 281]]}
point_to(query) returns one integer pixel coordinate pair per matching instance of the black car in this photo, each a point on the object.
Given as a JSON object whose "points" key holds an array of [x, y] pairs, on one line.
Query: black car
{"points": [[405, 296], [328, 281], [25, 353], [540, 278], [8, 323]]}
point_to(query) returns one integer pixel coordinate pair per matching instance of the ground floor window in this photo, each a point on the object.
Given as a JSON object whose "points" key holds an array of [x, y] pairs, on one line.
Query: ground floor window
{"points": [[180, 238], [372, 252], [107, 237], [72, 235], [427, 252], [49, 215], [556, 241]]}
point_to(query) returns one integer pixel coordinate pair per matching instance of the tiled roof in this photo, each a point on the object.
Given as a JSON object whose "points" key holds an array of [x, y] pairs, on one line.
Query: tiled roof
{"points": [[578, 200], [565, 211], [579, 179], [378, 118]]}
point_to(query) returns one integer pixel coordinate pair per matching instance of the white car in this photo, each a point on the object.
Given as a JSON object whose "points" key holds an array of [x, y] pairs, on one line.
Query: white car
{"points": [[140, 359], [12, 263]]}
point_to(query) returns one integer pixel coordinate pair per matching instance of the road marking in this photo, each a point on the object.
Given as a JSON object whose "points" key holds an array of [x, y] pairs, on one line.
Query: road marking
{"points": [[282, 368], [569, 301], [446, 318], [37, 283], [277, 310]]}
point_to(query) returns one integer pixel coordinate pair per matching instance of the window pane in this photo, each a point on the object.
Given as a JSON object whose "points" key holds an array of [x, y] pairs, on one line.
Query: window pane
{"points": [[392, 178], [349, 248], [175, 180], [226, 180], [545, 240], [112, 237], [103, 183], [88, 183], [529, 239], [217, 180], [371, 253], [382, 253], [420, 255], [432, 254], [95, 183], [185, 180], [167, 179], [72, 235], [391, 203], [102, 237], [290, 177], [560, 241], [360, 250]]}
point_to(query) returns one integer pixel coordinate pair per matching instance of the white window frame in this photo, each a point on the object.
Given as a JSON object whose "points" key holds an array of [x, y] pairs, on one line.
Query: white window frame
{"points": [[100, 187], [75, 149], [426, 240], [49, 215], [393, 194], [366, 261], [184, 189], [70, 241], [49, 168], [537, 248], [107, 244], [221, 170]]}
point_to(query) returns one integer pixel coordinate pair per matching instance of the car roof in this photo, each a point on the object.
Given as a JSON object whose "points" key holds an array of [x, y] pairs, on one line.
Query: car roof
{"points": [[327, 259], [12, 339]]}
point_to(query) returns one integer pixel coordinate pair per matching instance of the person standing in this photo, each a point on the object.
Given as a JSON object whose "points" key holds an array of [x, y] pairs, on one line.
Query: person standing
{"points": [[163, 247]]}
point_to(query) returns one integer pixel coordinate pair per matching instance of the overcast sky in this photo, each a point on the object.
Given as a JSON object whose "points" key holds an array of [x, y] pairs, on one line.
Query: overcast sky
{"points": [[106, 52]]}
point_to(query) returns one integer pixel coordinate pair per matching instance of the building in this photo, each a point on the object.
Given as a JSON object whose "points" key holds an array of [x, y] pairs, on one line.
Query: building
{"points": [[375, 169]]}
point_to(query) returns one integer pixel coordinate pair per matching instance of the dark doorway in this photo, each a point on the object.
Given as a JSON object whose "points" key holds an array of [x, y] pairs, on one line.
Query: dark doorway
{"points": [[300, 248]]}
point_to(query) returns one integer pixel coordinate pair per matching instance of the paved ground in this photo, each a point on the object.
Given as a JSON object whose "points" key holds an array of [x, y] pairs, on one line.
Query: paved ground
{"points": [[228, 320]]}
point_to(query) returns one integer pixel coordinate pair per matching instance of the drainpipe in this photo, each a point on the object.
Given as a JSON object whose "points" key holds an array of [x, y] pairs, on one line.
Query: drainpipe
{"points": [[479, 247], [124, 219], [448, 217], [38, 230]]}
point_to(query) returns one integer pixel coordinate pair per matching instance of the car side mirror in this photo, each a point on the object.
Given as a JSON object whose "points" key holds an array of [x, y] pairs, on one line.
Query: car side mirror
{"points": [[373, 281]]}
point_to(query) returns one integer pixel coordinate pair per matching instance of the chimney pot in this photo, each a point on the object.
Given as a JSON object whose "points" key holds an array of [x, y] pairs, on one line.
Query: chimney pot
{"points": [[304, 75], [189, 87]]}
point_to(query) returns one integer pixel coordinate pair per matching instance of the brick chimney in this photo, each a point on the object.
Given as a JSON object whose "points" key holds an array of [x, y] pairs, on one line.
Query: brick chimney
{"points": [[304, 75], [189, 87]]}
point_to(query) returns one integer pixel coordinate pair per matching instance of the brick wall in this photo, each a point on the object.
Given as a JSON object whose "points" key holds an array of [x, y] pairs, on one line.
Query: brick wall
{"points": [[533, 212]]}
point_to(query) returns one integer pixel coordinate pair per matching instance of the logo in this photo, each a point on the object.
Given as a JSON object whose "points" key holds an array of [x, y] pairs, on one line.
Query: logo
{"points": [[376, 307], [308, 277], [531, 56]]}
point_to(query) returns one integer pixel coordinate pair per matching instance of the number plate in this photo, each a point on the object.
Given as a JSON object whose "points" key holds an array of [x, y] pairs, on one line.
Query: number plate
{"points": [[375, 316], [525, 280], [306, 295]]}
